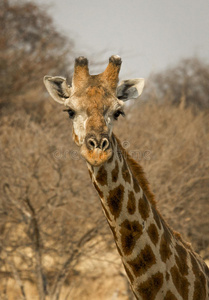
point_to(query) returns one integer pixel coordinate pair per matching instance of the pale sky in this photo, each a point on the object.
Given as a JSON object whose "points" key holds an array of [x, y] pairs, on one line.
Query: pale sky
{"points": [[149, 35]]}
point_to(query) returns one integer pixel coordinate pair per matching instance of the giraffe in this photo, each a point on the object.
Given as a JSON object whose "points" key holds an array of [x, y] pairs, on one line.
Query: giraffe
{"points": [[158, 262]]}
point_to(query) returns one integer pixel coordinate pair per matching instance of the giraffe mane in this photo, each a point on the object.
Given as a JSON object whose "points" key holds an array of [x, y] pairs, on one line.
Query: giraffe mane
{"points": [[140, 176], [138, 173]]}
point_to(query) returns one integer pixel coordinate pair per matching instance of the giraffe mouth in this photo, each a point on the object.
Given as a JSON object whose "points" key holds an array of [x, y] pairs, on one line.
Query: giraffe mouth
{"points": [[96, 157]]}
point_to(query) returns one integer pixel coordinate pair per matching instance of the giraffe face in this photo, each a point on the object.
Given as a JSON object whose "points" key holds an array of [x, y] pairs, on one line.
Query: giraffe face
{"points": [[94, 112], [94, 103]]}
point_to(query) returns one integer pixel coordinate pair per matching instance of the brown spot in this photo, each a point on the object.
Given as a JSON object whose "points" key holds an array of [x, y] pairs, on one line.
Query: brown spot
{"points": [[153, 233], [136, 185], [130, 276], [102, 176], [200, 280], [130, 233], [199, 289], [144, 260], [181, 283], [181, 259], [181, 251], [149, 288], [115, 200], [125, 172], [156, 217], [115, 172], [165, 251], [98, 190], [195, 266], [170, 296], [167, 231], [119, 153], [131, 205], [143, 207]]}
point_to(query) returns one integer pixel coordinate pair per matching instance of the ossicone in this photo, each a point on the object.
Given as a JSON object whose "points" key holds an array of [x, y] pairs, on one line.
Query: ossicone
{"points": [[81, 72], [110, 75]]}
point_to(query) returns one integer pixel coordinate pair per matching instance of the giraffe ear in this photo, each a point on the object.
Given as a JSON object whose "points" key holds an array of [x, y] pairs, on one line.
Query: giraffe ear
{"points": [[130, 89], [58, 88]]}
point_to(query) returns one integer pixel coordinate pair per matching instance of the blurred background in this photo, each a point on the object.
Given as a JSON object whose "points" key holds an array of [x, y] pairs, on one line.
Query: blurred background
{"points": [[54, 240]]}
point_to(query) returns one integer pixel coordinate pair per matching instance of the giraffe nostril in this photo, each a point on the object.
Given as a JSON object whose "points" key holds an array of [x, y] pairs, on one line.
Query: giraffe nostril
{"points": [[92, 143], [104, 144]]}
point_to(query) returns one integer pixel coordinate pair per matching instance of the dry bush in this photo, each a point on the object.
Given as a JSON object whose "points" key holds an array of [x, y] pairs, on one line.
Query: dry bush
{"points": [[51, 219], [184, 85]]}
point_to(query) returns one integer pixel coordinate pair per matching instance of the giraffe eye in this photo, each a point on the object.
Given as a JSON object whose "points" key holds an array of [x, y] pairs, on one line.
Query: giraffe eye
{"points": [[118, 113], [71, 113]]}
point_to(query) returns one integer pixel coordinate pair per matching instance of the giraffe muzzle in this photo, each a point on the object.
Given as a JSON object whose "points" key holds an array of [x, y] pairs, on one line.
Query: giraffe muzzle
{"points": [[96, 150], [92, 143]]}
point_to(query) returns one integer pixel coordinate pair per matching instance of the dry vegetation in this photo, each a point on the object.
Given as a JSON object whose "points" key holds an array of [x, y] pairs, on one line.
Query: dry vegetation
{"points": [[54, 240]]}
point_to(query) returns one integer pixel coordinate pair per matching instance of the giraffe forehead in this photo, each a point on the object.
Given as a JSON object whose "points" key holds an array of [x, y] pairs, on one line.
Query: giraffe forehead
{"points": [[95, 99]]}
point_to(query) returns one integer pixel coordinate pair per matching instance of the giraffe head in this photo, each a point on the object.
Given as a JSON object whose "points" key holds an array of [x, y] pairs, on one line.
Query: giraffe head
{"points": [[94, 102]]}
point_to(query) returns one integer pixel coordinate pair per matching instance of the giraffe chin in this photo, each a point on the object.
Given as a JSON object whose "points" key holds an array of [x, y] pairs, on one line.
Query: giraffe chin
{"points": [[96, 157]]}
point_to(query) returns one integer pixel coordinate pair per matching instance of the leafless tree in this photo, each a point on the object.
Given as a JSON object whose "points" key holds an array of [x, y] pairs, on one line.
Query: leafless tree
{"points": [[185, 84], [30, 47], [41, 207]]}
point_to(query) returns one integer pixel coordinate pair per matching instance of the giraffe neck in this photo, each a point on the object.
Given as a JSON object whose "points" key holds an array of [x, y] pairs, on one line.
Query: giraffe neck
{"points": [[156, 262]]}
